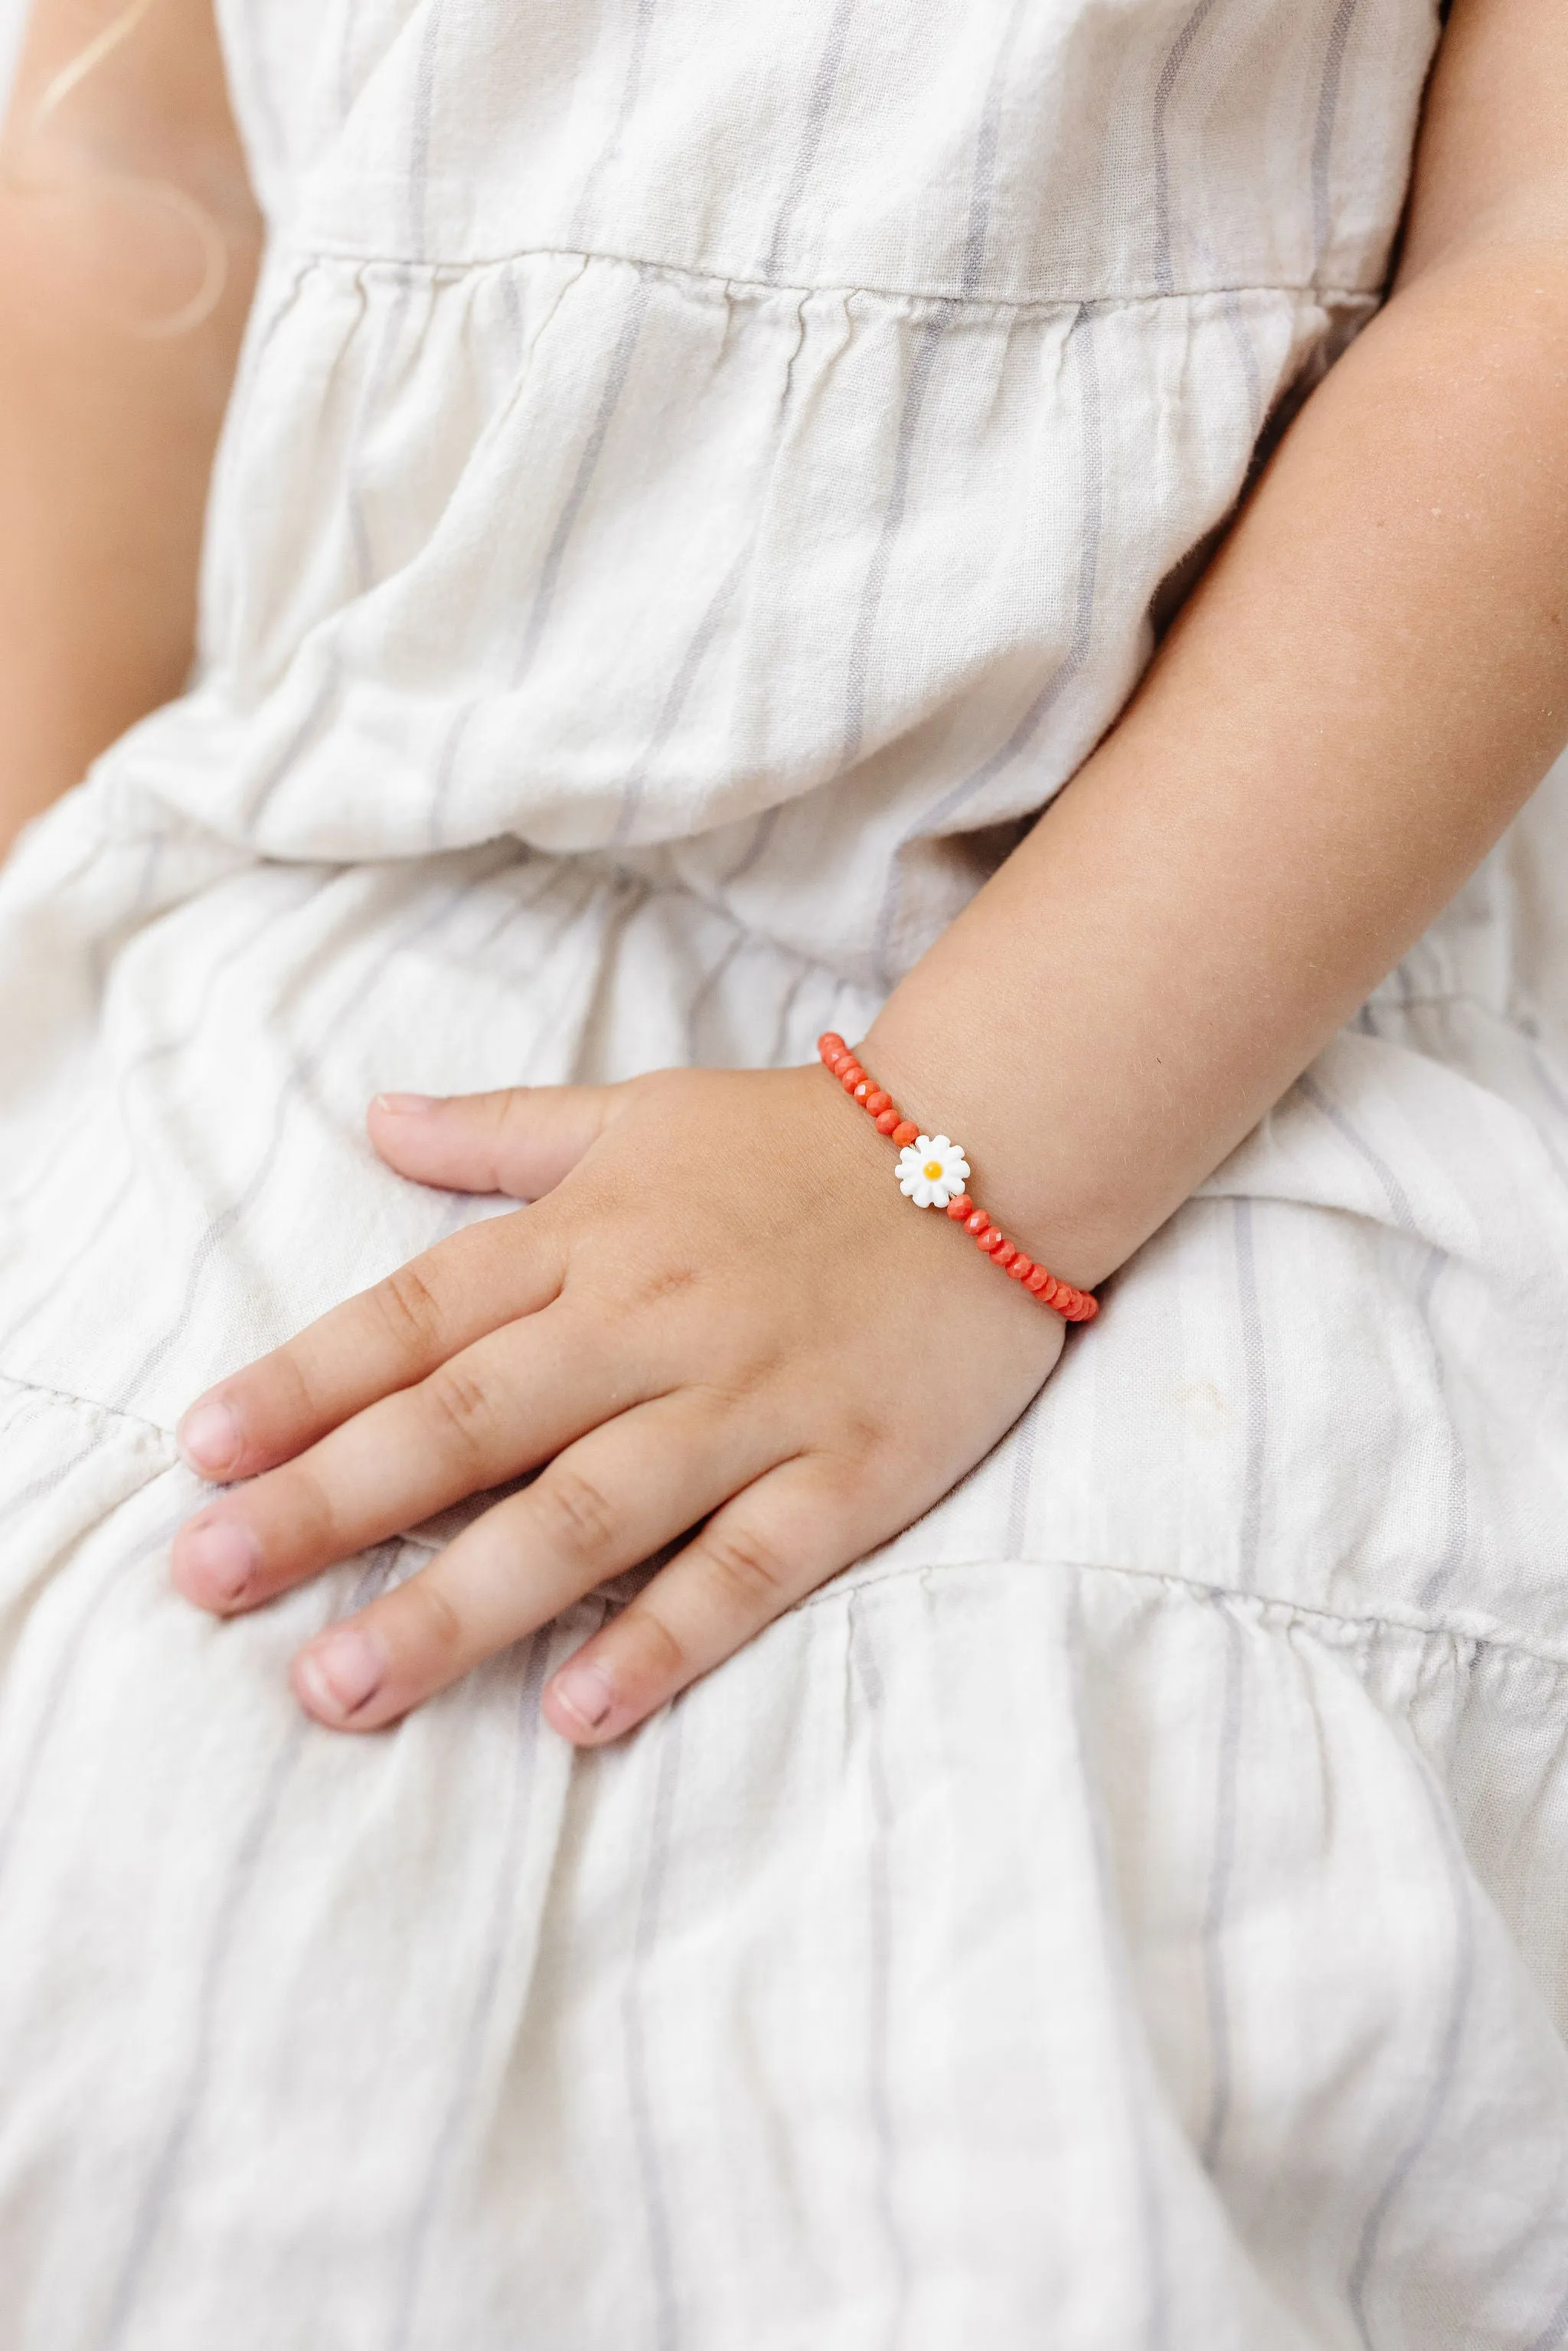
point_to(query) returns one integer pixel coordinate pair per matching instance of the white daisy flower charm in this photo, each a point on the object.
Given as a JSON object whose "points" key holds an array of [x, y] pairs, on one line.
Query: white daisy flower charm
{"points": [[932, 1171]]}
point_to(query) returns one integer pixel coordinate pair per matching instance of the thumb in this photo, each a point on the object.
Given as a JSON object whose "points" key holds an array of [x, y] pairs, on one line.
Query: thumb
{"points": [[520, 1141]]}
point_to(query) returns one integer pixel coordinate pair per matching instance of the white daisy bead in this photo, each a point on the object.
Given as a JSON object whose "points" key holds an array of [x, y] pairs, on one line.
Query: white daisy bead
{"points": [[932, 1171]]}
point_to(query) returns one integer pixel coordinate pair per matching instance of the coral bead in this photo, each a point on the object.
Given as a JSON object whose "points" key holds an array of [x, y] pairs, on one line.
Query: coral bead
{"points": [[886, 1120], [876, 1102], [863, 1092], [978, 1222], [829, 1043], [1038, 1279], [1020, 1268], [986, 1239], [906, 1131], [961, 1209], [1004, 1254], [850, 1076]]}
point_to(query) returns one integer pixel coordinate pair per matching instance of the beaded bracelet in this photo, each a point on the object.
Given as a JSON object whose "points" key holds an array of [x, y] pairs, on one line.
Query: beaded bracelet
{"points": [[932, 1172]]}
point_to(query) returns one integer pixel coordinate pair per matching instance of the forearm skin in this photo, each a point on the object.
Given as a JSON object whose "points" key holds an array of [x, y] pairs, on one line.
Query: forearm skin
{"points": [[1365, 688]]}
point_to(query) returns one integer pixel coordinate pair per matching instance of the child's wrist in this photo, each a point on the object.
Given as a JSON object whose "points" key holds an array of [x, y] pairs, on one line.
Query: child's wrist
{"points": [[964, 1094]]}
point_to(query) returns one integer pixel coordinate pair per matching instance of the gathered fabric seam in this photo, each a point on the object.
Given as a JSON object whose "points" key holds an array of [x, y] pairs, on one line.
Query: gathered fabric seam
{"points": [[69, 1397], [1372, 1622], [951, 305]]}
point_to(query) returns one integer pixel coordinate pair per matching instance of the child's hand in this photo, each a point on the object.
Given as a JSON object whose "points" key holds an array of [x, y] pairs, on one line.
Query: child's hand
{"points": [[719, 1310]]}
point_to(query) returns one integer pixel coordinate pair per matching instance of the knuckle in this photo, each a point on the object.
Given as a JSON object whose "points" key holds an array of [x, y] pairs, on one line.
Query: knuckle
{"points": [[578, 1514], [302, 1502], [436, 1628], [293, 1399], [411, 1308], [650, 1656], [465, 1408], [753, 1570], [658, 1283]]}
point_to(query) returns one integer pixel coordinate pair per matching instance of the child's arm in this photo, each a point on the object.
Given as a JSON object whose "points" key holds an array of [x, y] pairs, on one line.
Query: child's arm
{"points": [[1366, 686], [107, 432], [720, 1304]]}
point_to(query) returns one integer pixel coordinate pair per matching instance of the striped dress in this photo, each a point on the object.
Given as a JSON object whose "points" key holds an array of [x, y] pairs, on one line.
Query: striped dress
{"points": [[701, 475]]}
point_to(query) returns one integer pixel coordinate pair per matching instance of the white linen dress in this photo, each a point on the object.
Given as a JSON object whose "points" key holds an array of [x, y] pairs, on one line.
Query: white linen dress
{"points": [[701, 475]]}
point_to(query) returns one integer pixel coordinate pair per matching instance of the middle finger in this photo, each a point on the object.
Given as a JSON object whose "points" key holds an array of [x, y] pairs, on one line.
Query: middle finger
{"points": [[498, 1409]]}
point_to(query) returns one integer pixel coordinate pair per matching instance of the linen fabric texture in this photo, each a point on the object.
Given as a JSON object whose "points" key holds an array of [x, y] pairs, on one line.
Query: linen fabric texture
{"points": [[700, 478]]}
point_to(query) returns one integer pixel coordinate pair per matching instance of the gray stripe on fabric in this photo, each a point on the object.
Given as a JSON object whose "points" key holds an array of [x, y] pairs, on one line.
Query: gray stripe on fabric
{"points": [[146, 1059], [1080, 344], [1255, 1366], [1026, 1443], [299, 741], [61, 1671], [983, 187], [707, 989], [757, 846], [503, 1911], [818, 106], [370, 401], [1180, 49], [1456, 1532], [701, 645], [1133, 2050], [1236, 319], [786, 1015], [106, 947], [610, 151], [1555, 2332], [1217, 1997], [217, 1233], [675, 702], [859, 662], [343, 79], [1399, 1199], [879, 2019], [420, 120], [259, 339], [657, 2210], [1216, 1979], [588, 465], [331, 681], [165, 2164], [446, 773], [1456, 1490], [1440, 2077], [294, 1085], [1328, 109]]}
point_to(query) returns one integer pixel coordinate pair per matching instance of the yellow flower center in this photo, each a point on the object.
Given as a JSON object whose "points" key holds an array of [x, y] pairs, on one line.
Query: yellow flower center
{"points": [[932, 1171]]}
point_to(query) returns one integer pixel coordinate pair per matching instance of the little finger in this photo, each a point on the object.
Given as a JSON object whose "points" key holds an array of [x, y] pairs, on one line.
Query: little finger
{"points": [[766, 1550]]}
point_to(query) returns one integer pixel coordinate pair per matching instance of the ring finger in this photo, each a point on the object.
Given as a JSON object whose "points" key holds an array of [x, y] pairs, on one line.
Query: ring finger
{"points": [[608, 1502]]}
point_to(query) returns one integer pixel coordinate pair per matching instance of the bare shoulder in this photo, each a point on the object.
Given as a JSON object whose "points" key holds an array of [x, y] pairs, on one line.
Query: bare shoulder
{"points": [[1493, 158]]}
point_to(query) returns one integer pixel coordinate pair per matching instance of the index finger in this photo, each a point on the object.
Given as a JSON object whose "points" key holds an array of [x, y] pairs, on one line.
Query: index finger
{"points": [[387, 1338]]}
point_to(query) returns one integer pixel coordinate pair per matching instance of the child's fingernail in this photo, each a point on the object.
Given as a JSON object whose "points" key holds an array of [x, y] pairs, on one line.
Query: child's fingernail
{"points": [[586, 1692], [405, 1105], [342, 1671], [209, 1437], [221, 1558]]}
